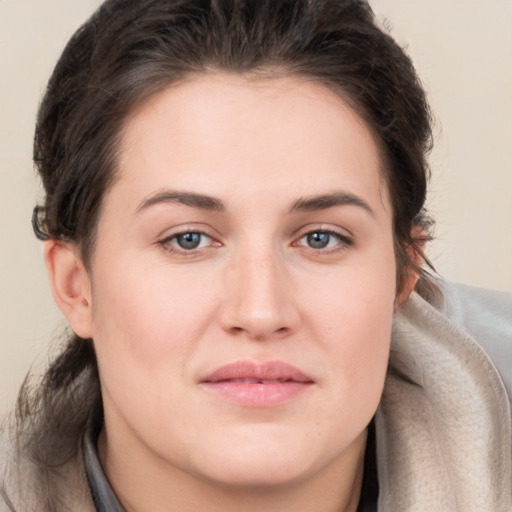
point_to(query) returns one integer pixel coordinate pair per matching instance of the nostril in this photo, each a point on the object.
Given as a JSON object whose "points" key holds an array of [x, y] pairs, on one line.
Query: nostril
{"points": [[259, 333]]}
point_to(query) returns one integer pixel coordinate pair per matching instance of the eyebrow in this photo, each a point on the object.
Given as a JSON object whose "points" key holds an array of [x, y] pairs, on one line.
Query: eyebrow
{"points": [[202, 201], [325, 201], [209, 203]]}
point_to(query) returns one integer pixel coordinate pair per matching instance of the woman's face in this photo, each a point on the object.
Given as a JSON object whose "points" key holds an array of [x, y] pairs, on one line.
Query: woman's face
{"points": [[243, 282]]}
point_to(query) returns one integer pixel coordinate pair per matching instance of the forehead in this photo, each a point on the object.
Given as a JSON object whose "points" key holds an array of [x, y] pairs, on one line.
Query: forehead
{"points": [[251, 130]]}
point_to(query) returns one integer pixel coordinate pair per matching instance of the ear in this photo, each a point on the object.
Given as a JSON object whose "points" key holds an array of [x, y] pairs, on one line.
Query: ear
{"points": [[411, 275], [70, 285]]}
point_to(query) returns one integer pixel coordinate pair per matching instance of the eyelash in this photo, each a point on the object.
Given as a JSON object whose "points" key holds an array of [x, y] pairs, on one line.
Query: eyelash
{"points": [[166, 243], [343, 242]]}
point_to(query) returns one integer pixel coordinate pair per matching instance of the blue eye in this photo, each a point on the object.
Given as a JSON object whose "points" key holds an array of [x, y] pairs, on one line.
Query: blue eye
{"points": [[318, 240], [323, 240], [188, 241]]}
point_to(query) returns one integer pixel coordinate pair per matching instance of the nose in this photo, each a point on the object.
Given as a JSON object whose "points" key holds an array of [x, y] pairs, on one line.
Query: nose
{"points": [[259, 301]]}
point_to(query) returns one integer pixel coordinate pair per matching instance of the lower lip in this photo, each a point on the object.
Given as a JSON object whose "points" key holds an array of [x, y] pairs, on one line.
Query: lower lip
{"points": [[257, 394]]}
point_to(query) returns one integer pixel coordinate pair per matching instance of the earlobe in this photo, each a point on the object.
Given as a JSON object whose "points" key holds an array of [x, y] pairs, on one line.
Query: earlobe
{"points": [[409, 280], [411, 273], [70, 285]]}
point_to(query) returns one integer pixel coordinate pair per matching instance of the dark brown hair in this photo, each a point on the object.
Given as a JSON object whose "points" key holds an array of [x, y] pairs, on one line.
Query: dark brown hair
{"points": [[131, 49]]}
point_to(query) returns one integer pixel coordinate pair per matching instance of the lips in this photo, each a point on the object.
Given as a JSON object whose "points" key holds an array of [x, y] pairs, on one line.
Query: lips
{"points": [[257, 385]]}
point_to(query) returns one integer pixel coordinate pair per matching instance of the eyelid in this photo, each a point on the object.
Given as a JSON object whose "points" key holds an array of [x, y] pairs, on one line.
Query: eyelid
{"points": [[345, 238], [182, 229], [178, 235], [170, 234], [343, 233]]}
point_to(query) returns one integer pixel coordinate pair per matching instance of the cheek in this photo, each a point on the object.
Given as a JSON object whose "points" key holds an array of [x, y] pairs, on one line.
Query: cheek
{"points": [[359, 360], [137, 305], [145, 324], [361, 347], [354, 313]]}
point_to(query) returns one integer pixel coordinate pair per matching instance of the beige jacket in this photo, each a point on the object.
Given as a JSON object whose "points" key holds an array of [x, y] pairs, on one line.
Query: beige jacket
{"points": [[443, 425]]}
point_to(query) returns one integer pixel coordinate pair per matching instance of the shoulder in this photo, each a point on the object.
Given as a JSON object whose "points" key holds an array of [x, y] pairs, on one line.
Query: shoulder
{"points": [[486, 316]]}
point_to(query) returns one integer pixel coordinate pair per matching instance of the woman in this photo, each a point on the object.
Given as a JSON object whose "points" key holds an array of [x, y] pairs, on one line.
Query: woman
{"points": [[233, 221]]}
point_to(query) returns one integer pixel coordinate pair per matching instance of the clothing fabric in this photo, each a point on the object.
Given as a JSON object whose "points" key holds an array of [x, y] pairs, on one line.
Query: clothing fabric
{"points": [[443, 427], [103, 496], [443, 424]]}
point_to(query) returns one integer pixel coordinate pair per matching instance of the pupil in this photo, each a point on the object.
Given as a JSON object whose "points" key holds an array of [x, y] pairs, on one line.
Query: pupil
{"points": [[189, 240], [318, 240]]}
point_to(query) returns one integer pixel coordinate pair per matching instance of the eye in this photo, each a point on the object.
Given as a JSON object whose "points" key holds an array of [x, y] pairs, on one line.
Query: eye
{"points": [[189, 241], [324, 240]]}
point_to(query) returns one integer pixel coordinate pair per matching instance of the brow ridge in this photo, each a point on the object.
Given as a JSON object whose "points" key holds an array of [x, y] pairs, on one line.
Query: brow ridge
{"points": [[192, 199], [210, 203], [329, 200]]}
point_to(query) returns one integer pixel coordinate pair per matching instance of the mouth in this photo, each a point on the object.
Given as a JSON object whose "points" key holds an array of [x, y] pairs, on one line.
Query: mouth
{"points": [[257, 385]]}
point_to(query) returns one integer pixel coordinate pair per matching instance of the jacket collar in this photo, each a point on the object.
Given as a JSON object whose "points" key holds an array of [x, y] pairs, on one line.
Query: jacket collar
{"points": [[443, 424]]}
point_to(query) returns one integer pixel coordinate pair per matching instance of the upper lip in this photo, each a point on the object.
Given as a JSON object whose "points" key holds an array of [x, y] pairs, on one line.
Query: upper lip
{"points": [[248, 370]]}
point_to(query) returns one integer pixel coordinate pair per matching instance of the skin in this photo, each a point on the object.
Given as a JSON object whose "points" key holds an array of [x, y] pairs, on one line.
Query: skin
{"points": [[162, 317]]}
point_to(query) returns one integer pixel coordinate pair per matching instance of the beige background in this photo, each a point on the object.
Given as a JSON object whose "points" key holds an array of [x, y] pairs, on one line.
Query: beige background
{"points": [[463, 51]]}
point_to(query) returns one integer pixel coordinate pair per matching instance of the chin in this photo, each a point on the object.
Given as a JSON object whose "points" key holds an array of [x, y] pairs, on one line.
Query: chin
{"points": [[263, 461], [257, 473]]}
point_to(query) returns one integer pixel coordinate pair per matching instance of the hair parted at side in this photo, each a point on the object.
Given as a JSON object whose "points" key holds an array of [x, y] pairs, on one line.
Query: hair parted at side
{"points": [[131, 49]]}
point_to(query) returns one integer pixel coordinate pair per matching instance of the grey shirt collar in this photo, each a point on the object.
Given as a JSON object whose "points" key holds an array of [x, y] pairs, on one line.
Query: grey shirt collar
{"points": [[102, 494]]}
